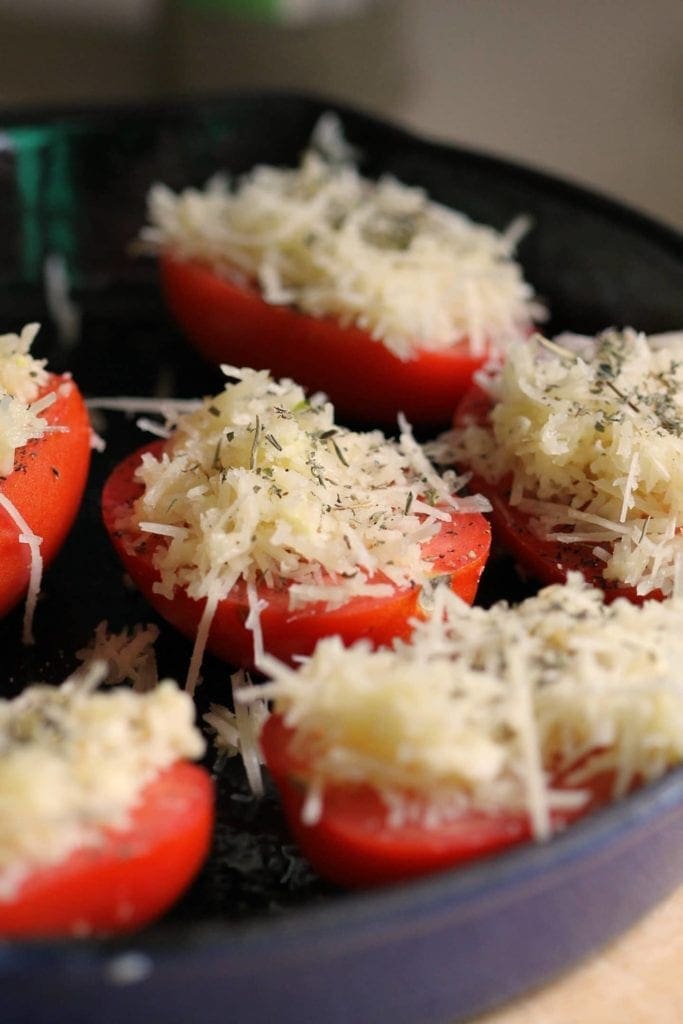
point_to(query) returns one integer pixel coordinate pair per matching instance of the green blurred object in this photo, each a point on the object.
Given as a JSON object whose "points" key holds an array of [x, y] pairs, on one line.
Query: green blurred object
{"points": [[285, 11], [258, 9], [47, 196]]}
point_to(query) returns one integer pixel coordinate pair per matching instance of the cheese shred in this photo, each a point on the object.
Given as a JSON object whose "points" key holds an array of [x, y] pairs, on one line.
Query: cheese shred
{"points": [[21, 378]]}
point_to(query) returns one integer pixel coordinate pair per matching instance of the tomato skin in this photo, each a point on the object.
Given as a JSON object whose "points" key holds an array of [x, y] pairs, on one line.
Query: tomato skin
{"points": [[231, 323], [133, 877], [352, 843], [546, 561], [46, 486], [459, 550]]}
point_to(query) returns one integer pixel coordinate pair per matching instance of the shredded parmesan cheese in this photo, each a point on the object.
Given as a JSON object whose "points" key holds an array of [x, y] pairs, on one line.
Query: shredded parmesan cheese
{"points": [[21, 378], [259, 485], [591, 432], [74, 760], [236, 732], [482, 709], [32, 541], [129, 655], [380, 255]]}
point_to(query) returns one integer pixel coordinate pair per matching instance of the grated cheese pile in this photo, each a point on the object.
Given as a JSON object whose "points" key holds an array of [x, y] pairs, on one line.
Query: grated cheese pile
{"points": [[73, 760], [380, 255], [235, 733], [592, 432], [21, 377], [482, 706], [260, 485], [129, 655]]}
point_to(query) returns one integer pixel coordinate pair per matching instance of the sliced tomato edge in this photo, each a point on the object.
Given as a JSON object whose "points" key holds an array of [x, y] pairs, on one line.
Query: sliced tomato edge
{"points": [[129, 879], [231, 322], [371, 852], [46, 486]]}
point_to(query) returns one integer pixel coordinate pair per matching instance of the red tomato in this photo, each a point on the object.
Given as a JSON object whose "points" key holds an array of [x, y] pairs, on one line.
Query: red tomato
{"points": [[354, 845], [133, 877], [231, 323], [547, 561], [46, 486], [458, 551]]}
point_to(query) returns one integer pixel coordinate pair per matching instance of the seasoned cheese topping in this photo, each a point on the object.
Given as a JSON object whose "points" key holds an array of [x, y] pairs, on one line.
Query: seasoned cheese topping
{"points": [[74, 760], [380, 255], [21, 377], [591, 431], [484, 708], [260, 485]]}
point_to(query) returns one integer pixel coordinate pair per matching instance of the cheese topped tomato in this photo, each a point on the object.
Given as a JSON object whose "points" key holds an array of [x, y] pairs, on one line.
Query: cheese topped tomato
{"points": [[261, 522], [486, 728], [368, 290], [45, 441], [103, 822], [578, 444]]}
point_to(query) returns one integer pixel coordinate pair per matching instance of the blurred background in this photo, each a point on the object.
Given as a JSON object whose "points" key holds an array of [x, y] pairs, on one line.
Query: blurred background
{"points": [[589, 89]]}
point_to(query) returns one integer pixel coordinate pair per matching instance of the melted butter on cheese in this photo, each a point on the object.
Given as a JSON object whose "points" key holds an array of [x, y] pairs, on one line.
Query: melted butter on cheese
{"points": [[74, 761], [380, 255], [591, 431], [483, 708], [260, 485], [21, 377]]}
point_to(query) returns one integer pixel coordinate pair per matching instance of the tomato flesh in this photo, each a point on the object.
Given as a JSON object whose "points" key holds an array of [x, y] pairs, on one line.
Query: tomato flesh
{"points": [[231, 323], [354, 845], [459, 551], [133, 877], [545, 560], [46, 486]]}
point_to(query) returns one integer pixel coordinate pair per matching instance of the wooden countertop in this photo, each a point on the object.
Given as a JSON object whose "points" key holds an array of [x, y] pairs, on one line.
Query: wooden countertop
{"points": [[637, 979]]}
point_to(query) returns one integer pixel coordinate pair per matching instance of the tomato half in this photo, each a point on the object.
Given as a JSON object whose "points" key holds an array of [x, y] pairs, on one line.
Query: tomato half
{"points": [[459, 551], [46, 486], [231, 323], [547, 561], [354, 845], [133, 877]]}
